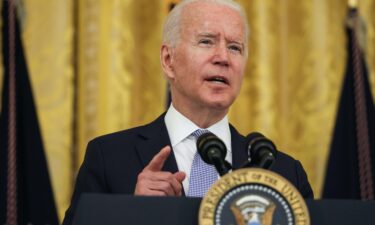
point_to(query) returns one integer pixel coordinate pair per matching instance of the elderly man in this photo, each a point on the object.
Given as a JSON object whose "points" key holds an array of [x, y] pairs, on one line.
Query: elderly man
{"points": [[203, 56]]}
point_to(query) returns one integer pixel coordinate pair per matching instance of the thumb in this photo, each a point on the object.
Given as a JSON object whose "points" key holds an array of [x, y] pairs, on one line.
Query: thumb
{"points": [[180, 176]]}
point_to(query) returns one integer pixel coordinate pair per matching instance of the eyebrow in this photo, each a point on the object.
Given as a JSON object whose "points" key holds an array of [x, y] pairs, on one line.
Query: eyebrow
{"points": [[207, 34], [215, 35]]}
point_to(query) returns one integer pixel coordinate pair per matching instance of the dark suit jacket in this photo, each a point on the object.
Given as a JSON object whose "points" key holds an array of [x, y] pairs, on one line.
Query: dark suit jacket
{"points": [[113, 162]]}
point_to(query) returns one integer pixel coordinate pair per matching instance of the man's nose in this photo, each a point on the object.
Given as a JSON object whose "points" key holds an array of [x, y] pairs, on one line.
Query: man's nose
{"points": [[221, 55]]}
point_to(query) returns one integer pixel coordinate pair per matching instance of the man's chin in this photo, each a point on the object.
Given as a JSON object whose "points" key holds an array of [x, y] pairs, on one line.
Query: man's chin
{"points": [[220, 105]]}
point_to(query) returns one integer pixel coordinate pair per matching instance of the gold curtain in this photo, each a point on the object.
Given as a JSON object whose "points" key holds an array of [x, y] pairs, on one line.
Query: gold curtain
{"points": [[367, 10], [120, 80], [47, 34], [297, 59], [295, 73]]}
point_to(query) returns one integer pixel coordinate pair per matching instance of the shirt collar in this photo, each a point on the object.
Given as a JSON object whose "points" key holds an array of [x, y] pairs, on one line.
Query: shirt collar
{"points": [[179, 127]]}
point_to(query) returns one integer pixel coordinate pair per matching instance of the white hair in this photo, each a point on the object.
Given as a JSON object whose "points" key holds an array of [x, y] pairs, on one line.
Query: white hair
{"points": [[172, 25]]}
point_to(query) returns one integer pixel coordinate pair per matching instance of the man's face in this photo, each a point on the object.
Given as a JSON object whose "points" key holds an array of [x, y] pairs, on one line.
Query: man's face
{"points": [[206, 67]]}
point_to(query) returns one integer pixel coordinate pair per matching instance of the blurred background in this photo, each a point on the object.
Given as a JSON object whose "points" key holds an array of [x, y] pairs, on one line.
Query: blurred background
{"points": [[94, 68]]}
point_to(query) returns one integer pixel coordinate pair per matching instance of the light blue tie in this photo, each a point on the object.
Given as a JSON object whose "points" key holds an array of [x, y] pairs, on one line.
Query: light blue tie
{"points": [[202, 175]]}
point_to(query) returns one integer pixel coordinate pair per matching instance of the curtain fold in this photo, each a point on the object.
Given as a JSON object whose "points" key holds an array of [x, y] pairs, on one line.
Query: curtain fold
{"points": [[296, 64], [120, 81], [48, 43]]}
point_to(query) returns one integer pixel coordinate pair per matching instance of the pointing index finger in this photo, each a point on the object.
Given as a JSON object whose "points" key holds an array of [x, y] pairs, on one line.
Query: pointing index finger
{"points": [[157, 163]]}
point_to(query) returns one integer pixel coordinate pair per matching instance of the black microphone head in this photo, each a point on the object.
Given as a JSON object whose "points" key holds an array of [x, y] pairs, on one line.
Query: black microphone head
{"points": [[261, 151], [253, 136], [208, 145]]}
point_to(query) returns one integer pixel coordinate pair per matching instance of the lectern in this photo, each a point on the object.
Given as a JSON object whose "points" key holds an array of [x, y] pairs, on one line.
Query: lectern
{"points": [[103, 209]]}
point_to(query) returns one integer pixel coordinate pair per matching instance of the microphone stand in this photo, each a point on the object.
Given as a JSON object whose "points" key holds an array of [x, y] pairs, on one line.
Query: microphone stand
{"points": [[221, 165]]}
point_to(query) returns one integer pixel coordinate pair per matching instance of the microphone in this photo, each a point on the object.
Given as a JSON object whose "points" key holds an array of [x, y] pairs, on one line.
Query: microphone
{"points": [[213, 151], [261, 151]]}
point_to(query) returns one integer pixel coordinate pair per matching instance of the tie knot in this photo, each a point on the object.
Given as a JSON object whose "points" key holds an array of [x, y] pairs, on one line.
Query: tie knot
{"points": [[199, 132]]}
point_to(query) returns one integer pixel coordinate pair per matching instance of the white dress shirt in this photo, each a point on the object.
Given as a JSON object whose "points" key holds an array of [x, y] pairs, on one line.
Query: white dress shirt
{"points": [[183, 143]]}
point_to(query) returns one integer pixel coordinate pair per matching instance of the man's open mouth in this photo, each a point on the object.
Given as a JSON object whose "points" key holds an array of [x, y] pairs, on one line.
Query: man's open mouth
{"points": [[218, 80]]}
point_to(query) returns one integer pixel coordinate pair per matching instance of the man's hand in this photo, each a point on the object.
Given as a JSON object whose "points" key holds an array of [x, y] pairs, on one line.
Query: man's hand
{"points": [[153, 181]]}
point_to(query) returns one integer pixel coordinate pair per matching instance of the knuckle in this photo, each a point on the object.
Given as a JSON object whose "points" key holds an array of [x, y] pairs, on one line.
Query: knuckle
{"points": [[166, 186], [143, 175], [169, 175]]}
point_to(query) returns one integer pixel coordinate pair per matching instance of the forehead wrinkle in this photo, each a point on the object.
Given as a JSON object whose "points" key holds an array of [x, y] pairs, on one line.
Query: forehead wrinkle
{"points": [[196, 11], [205, 27], [208, 34]]}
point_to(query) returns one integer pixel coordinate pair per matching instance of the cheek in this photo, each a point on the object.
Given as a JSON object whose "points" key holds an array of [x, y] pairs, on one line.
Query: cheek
{"points": [[240, 70], [186, 78], [184, 65], [192, 71]]}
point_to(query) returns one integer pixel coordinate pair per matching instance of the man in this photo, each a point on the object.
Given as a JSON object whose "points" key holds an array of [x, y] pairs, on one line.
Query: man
{"points": [[203, 56]]}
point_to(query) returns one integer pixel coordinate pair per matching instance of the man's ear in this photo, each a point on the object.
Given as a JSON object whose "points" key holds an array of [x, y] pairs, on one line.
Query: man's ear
{"points": [[166, 59]]}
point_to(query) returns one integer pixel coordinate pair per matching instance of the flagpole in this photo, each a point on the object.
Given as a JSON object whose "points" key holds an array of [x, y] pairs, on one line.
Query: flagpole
{"points": [[366, 182], [11, 210]]}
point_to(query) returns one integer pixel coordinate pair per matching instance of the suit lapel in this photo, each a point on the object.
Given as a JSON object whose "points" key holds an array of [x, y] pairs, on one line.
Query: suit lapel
{"points": [[155, 136], [239, 154]]}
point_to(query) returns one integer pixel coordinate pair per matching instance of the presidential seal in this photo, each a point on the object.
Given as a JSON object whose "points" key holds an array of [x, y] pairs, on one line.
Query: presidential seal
{"points": [[253, 197]]}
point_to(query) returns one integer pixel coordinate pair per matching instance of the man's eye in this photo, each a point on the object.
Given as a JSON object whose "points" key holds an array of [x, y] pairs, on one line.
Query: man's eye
{"points": [[205, 41], [235, 48]]}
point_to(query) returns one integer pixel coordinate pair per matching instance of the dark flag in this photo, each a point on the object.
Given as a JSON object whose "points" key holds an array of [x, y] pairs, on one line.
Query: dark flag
{"points": [[26, 196], [351, 166]]}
